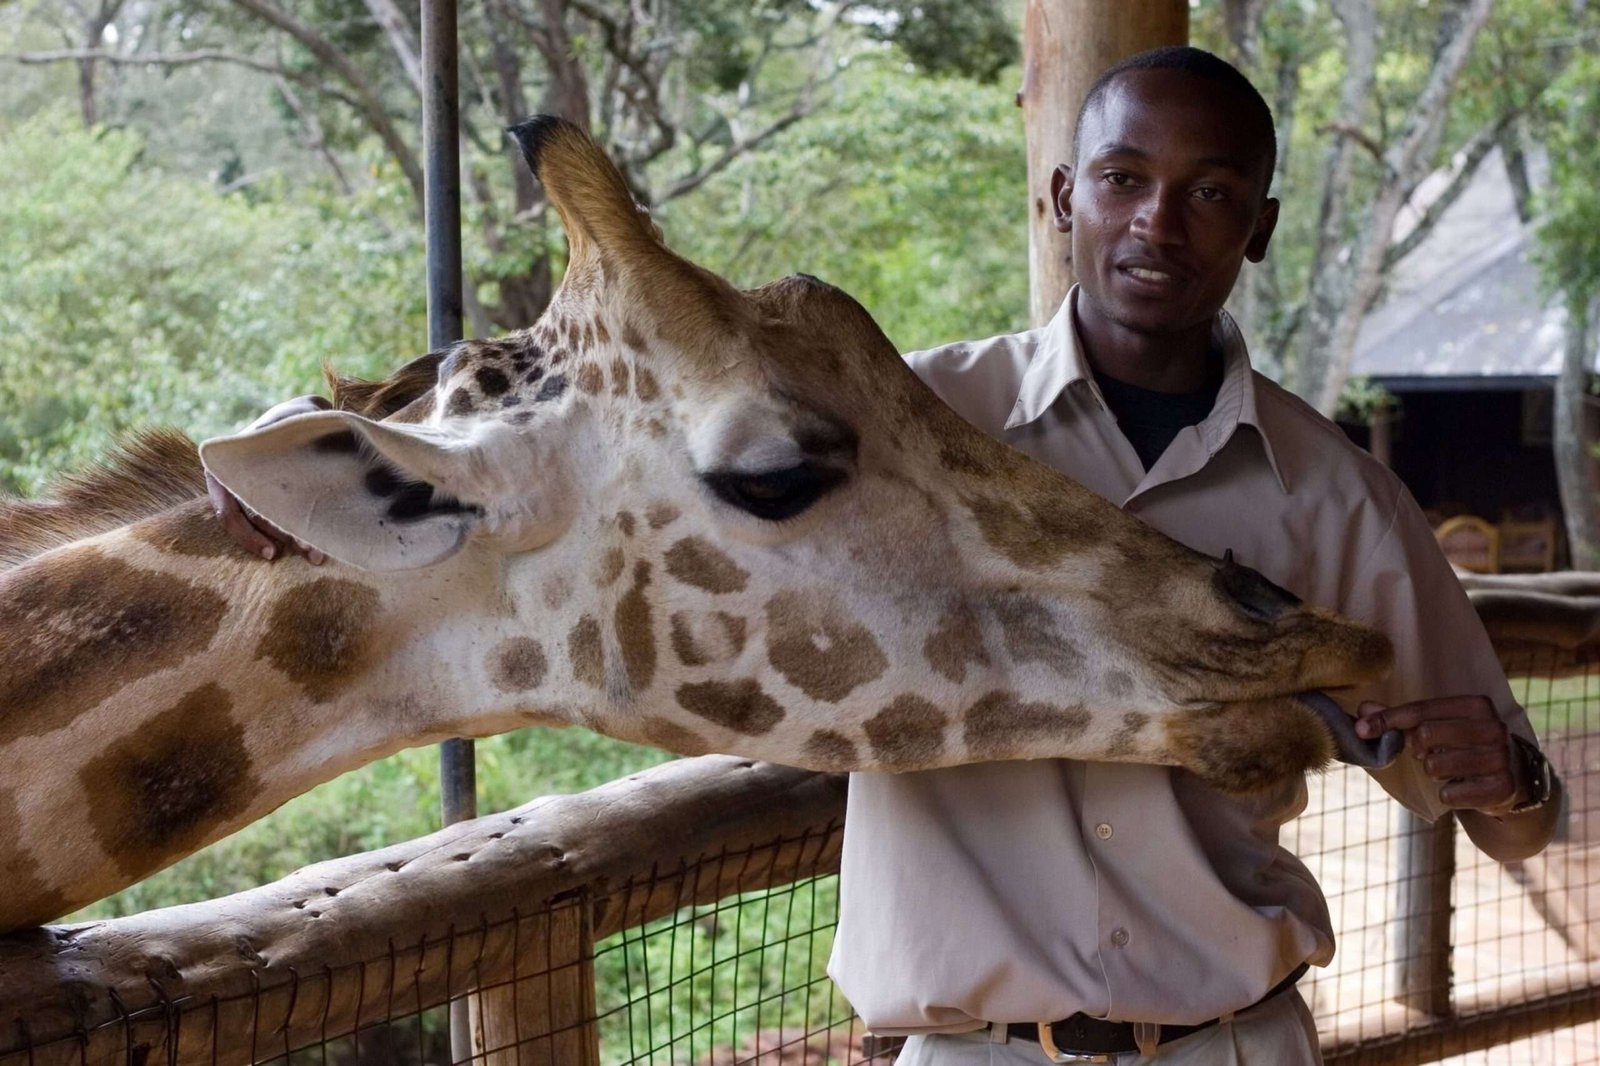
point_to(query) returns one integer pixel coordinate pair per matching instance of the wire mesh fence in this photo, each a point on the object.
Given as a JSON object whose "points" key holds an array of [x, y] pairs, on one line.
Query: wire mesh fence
{"points": [[699, 934]]}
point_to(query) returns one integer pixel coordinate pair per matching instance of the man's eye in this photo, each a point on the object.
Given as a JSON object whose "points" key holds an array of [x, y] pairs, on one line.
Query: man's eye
{"points": [[1209, 193], [1116, 177], [774, 495]]}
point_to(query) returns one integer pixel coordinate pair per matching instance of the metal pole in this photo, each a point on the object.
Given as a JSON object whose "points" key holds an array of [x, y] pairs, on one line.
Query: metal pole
{"points": [[442, 219]]}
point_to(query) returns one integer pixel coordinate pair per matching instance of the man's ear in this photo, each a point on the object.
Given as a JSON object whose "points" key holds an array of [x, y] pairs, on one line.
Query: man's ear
{"points": [[372, 494], [1061, 197], [1266, 222]]}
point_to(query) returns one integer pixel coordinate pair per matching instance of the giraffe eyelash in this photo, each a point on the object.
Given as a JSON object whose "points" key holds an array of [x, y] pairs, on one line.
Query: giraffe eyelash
{"points": [[774, 495]]}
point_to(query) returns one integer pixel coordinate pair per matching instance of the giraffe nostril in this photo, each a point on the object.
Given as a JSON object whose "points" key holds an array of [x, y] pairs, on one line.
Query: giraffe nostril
{"points": [[1252, 593]]}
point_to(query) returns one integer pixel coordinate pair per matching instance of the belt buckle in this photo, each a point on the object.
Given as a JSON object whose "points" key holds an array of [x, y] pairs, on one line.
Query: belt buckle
{"points": [[1047, 1041]]}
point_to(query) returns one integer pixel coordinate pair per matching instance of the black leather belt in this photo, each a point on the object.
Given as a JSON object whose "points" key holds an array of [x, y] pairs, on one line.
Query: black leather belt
{"points": [[1082, 1036]]}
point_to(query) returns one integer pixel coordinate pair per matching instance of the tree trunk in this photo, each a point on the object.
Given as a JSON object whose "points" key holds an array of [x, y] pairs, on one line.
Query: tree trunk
{"points": [[1327, 347], [1578, 498], [1066, 44]]}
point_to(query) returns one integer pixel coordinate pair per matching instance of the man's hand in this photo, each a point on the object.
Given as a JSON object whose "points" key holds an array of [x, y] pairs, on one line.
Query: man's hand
{"points": [[252, 532], [1463, 745]]}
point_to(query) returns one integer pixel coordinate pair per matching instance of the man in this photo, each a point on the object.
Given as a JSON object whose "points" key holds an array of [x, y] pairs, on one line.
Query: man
{"points": [[1149, 914], [1021, 892]]}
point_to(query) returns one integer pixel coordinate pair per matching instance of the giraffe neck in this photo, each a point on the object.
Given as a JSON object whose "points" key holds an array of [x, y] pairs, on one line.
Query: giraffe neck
{"points": [[164, 689]]}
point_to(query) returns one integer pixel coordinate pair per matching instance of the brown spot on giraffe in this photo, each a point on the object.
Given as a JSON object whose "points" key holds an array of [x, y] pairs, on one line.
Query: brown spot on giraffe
{"points": [[645, 385], [491, 380], [818, 648], [590, 379], [739, 706], [967, 454], [661, 514], [23, 880], [698, 562], [1122, 741], [170, 782], [1031, 636], [601, 334], [633, 338], [827, 750], [670, 736], [627, 523], [190, 530], [1001, 726], [555, 593], [956, 641], [1037, 534], [702, 637], [83, 627], [908, 734], [586, 653], [611, 565], [517, 664], [636, 631], [621, 378], [321, 635]]}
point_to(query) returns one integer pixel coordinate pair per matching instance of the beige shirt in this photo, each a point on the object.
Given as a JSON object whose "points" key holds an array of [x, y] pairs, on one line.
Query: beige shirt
{"points": [[1023, 891]]}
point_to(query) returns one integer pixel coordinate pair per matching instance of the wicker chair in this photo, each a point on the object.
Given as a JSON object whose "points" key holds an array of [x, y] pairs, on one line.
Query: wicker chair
{"points": [[1470, 543]]}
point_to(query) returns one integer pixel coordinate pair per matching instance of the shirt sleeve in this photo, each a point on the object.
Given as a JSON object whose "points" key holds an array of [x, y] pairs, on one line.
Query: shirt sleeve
{"points": [[1406, 588]]}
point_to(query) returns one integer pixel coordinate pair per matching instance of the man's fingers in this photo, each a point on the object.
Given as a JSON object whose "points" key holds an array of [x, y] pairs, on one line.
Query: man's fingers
{"points": [[1478, 793], [1459, 733], [1470, 762]]}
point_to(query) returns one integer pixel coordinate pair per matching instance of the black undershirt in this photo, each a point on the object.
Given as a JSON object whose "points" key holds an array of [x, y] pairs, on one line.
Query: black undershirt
{"points": [[1149, 419]]}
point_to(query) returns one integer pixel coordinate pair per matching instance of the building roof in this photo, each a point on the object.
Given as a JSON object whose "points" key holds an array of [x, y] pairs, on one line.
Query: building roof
{"points": [[1464, 309]]}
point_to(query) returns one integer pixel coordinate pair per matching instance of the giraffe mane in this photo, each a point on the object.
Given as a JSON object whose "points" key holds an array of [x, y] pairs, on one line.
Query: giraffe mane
{"points": [[156, 470]]}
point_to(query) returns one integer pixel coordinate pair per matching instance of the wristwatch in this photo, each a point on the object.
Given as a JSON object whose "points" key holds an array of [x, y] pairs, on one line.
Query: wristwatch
{"points": [[1538, 776]]}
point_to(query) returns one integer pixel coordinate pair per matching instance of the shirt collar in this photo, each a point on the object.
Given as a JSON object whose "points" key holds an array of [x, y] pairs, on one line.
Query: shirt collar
{"points": [[1059, 362]]}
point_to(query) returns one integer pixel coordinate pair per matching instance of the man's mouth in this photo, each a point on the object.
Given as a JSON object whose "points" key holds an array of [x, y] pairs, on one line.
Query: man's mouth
{"points": [[1150, 274]]}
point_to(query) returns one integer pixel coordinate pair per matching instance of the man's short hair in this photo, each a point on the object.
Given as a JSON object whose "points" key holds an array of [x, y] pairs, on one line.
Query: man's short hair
{"points": [[1198, 63]]}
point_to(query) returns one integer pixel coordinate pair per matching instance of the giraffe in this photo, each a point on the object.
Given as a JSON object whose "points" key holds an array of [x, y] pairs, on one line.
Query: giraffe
{"points": [[672, 512]]}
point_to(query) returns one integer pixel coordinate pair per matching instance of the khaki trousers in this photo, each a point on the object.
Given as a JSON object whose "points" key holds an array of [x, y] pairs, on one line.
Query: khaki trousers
{"points": [[1279, 1032]]}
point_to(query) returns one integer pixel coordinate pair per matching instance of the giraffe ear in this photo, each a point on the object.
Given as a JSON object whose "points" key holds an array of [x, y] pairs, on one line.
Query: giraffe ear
{"points": [[374, 495]]}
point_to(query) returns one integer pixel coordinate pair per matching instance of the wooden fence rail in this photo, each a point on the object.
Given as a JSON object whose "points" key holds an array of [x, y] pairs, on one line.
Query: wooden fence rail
{"points": [[345, 943]]}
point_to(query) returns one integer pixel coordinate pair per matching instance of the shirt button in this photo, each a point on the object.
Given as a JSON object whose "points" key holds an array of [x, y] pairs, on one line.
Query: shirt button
{"points": [[1103, 830], [1119, 937]]}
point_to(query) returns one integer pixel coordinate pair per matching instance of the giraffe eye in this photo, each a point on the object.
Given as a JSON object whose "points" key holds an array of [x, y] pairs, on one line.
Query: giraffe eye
{"points": [[774, 495]]}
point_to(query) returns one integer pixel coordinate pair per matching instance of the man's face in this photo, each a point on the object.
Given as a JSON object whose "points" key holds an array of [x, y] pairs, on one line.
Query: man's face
{"points": [[1166, 202]]}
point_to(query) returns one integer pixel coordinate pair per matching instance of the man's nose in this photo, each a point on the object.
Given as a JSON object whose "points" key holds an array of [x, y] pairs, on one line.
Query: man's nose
{"points": [[1159, 218]]}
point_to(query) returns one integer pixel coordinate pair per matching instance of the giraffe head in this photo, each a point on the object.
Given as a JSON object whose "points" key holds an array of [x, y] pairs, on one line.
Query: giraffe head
{"points": [[719, 520]]}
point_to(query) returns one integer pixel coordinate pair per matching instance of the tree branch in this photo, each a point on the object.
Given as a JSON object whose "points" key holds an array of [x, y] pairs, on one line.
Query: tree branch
{"points": [[366, 98], [1473, 155], [401, 40], [690, 182], [1354, 132], [182, 59]]}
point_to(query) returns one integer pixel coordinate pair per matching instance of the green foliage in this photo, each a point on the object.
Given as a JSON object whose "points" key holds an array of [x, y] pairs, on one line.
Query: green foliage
{"points": [[970, 38], [1568, 252], [908, 194], [1361, 399], [133, 297]]}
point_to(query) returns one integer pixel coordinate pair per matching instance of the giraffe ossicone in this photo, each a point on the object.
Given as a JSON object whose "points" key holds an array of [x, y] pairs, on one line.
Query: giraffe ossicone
{"points": [[672, 512]]}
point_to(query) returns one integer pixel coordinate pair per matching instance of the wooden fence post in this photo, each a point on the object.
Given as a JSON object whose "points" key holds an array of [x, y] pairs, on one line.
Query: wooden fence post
{"points": [[1066, 44], [1427, 866], [545, 1016]]}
